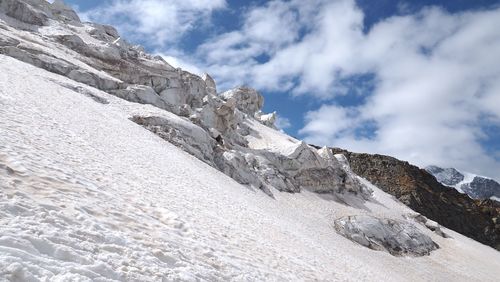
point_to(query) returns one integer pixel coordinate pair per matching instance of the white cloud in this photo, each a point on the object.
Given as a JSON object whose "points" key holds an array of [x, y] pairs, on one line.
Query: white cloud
{"points": [[436, 76], [266, 32], [437, 79], [282, 122], [156, 21], [177, 62], [330, 122]]}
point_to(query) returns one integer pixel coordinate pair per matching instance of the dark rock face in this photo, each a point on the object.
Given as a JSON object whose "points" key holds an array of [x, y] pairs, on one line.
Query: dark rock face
{"points": [[447, 176], [416, 188], [482, 188]]}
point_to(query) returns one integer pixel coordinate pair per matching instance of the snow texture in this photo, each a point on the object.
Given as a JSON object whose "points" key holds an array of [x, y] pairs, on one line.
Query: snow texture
{"points": [[89, 195], [115, 166]]}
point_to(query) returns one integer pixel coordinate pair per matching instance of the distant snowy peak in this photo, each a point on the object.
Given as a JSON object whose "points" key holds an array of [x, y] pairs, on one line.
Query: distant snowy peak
{"points": [[447, 176], [477, 187]]}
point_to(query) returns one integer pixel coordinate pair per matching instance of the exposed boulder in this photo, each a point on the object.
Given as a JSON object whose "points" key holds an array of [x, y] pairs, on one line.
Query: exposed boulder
{"points": [[395, 237]]}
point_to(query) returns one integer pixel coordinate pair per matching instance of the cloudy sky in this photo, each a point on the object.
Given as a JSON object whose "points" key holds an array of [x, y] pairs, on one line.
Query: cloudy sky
{"points": [[418, 81]]}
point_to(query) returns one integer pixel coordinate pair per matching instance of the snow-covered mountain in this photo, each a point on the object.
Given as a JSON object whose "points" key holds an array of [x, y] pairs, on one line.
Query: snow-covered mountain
{"points": [[477, 187], [115, 166]]}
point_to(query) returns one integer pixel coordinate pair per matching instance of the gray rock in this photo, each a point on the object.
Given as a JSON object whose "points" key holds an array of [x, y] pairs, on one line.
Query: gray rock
{"points": [[429, 224], [395, 237], [143, 95], [248, 100], [64, 12], [24, 11], [59, 66], [102, 32], [322, 180], [8, 41], [93, 80], [210, 84], [106, 53], [38, 59], [73, 42]]}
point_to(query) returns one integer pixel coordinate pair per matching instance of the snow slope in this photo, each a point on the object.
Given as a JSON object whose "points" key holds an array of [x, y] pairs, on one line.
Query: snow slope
{"points": [[88, 195]]}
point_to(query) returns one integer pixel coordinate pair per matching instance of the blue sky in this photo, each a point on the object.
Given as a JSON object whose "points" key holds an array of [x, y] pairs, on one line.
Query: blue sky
{"points": [[412, 79]]}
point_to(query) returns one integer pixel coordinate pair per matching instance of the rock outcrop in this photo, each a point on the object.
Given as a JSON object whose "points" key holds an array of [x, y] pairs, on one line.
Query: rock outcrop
{"points": [[302, 168], [396, 237], [429, 224], [416, 188], [249, 101], [29, 12], [64, 12]]}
